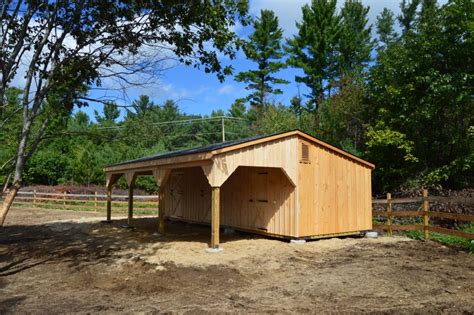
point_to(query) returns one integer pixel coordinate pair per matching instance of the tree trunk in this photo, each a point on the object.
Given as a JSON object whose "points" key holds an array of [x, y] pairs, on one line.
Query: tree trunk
{"points": [[21, 158], [9, 201]]}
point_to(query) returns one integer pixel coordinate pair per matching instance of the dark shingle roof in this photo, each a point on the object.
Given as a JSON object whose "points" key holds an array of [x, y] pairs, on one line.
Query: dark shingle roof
{"points": [[203, 149]]}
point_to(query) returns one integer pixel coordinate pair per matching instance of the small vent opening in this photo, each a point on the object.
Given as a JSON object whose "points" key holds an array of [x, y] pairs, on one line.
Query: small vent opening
{"points": [[304, 152]]}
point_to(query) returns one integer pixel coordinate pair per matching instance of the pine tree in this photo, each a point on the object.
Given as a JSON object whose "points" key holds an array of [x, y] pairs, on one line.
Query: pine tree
{"points": [[408, 15], [111, 113], [384, 26], [356, 43], [313, 49], [141, 106], [264, 47]]}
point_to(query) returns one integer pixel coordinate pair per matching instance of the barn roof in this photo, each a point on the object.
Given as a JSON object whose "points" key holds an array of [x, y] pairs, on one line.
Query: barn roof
{"points": [[237, 144]]}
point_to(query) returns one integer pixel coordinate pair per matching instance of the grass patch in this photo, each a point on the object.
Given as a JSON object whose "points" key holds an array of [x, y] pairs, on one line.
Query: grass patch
{"points": [[448, 240], [138, 208]]}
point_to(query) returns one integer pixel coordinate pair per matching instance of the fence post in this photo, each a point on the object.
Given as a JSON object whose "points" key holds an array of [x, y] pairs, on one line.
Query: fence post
{"points": [[389, 214], [34, 197], [64, 199], [95, 200], [426, 215]]}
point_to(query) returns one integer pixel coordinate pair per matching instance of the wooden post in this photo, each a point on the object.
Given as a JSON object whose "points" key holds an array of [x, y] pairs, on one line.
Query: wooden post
{"points": [[64, 199], [161, 176], [109, 203], [95, 201], [130, 203], [161, 210], [426, 215], [389, 214], [34, 197], [215, 217]]}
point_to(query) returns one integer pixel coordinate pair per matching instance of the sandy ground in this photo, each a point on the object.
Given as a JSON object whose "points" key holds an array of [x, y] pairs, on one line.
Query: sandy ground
{"points": [[63, 262]]}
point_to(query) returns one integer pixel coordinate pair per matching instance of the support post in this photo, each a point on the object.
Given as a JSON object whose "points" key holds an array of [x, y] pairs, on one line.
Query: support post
{"points": [[426, 215], [109, 203], [161, 176], [34, 197], [161, 210], [130, 204], [64, 199], [389, 214], [215, 209], [95, 201]]}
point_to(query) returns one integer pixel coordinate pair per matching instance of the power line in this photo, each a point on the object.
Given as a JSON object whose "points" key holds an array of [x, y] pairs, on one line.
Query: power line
{"points": [[181, 121]]}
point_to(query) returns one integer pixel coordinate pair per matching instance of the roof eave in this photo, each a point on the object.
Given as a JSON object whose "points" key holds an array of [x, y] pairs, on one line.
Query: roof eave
{"points": [[168, 162]]}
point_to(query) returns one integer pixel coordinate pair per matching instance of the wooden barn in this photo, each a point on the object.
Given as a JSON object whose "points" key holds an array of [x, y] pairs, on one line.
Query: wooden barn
{"points": [[289, 185]]}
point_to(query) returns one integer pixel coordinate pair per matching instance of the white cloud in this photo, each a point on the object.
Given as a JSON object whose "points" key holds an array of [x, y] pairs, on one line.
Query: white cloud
{"points": [[226, 89]]}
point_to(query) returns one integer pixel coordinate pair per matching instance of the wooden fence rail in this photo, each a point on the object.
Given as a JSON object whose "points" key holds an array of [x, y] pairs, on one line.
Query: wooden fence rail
{"points": [[423, 212], [149, 204], [87, 202]]}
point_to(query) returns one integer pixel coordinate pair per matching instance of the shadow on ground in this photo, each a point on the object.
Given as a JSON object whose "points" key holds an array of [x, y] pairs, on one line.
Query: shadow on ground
{"points": [[82, 244], [87, 266]]}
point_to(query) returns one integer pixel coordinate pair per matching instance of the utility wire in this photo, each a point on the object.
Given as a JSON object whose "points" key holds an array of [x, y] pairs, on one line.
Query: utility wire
{"points": [[181, 121]]}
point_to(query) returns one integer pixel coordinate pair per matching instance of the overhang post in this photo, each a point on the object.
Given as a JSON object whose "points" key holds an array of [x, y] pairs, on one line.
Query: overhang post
{"points": [[215, 217], [131, 183], [161, 211], [109, 183], [109, 204], [161, 176]]}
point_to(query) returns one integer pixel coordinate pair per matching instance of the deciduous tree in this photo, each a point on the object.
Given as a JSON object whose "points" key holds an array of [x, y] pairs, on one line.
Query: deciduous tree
{"points": [[68, 46]]}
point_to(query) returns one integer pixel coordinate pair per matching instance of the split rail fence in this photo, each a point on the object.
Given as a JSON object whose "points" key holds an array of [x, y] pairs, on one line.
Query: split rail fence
{"points": [[422, 213], [84, 202], [149, 205]]}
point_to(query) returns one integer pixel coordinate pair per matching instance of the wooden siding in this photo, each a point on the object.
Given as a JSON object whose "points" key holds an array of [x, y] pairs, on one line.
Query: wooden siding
{"points": [[277, 153], [334, 193], [264, 203], [188, 195], [258, 198]]}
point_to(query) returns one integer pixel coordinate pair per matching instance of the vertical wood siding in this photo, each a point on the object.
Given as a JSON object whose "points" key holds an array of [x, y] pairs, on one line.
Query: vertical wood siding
{"points": [[188, 195], [278, 153], [334, 193], [259, 199], [253, 198]]}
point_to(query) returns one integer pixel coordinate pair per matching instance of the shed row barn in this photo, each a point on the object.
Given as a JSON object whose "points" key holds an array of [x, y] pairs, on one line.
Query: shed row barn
{"points": [[289, 185]]}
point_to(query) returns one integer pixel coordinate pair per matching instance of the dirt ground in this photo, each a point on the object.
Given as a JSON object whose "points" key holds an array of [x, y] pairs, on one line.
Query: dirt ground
{"points": [[63, 262]]}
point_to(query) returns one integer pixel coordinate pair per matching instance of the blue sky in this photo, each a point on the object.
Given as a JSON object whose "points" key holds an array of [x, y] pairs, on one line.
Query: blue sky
{"points": [[199, 93]]}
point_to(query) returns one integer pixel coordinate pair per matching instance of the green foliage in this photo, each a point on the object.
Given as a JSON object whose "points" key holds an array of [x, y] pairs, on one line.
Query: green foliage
{"points": [[330, 46], [10, 130], [341, 117], [111, 113], [421, 87], [393, 153], [263, 48], [313, 49], [449, 240], [67, 47], [276, 118], [355, 43], [407, 17], [410, 112], [47, 167], [385, 30]]}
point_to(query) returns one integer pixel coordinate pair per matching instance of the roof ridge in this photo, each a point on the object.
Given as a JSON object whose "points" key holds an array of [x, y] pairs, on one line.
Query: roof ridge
{"points": [[216, 147]]}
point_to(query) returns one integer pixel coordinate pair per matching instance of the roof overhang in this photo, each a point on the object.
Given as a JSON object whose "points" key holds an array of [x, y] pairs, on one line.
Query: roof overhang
{"points": [[172, 162], [203, 158]]}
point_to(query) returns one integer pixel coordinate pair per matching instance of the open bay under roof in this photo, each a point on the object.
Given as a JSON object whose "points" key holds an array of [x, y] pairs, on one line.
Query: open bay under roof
{"points": [[267, 183]]}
